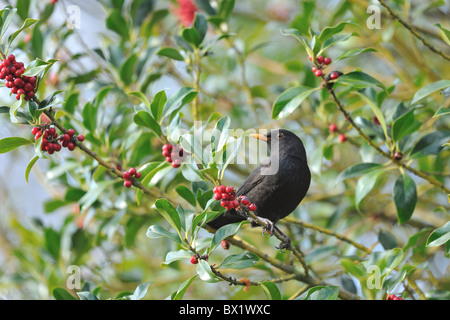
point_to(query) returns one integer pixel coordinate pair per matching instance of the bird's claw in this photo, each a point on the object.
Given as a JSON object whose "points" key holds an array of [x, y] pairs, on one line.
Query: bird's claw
{"points": [[286, 244], [269, 228]]}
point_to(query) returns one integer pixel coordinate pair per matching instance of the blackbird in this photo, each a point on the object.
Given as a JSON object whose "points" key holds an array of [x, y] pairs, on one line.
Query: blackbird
{"points": [[276, 187]]}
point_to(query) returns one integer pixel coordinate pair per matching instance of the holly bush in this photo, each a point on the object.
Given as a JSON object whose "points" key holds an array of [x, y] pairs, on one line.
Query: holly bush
{"points": [[131, 133]]}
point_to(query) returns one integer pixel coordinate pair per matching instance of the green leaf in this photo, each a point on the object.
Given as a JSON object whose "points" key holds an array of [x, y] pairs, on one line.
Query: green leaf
{"points": [[321, 293], [357, 170], [27, 23], [11, 143], [141, 291], [141, 97], [8, 15], [359, 80], [403, 125], [172, 256], [405, 197], [290, 100], [37, 66], [225, 8], [86, 295], [170, 53], [205, 6], [157, 105], [387, 240], [14, 108], [182, 96], [441, 112], [429, 89], [377, 112], [144, 119], [439, 236], [353, 53], [30, 166], [223, 233], [62, 294], [127, 70], [240, 261], [220, 134], [328, 32], [178, 295], [271, 290], [169, 213], [186, 194], [94, 193], [430, 144], [204, 272], [117, 23], [155, 232], [445, 34], [364, 185], [296, 34]]}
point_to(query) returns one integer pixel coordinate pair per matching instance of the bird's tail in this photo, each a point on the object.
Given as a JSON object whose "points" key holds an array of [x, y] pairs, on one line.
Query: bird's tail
{"points": [[228, 217]]}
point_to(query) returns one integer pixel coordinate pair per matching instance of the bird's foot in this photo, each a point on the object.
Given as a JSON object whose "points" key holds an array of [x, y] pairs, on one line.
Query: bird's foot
{"points": [[285, 243], [269, 226]]}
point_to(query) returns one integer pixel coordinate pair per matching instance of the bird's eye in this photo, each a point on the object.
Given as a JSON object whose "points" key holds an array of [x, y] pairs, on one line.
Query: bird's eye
{"points": [[280, 135]]}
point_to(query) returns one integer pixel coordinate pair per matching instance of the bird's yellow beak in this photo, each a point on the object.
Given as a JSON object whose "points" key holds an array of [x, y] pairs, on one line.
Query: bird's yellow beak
{"points": [[260, 137]]}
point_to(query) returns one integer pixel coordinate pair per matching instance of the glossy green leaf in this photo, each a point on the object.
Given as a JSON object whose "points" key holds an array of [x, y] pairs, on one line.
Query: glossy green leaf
{"points": [[223, 233], [170, 53], [157, 105], [155, 232], [290, 100], [321, 293], [169, 213], [364, 185], [328, 32], [353, 53], [26, 24], [141, 291], [117, 23], [405, 197], [11, 143], [445, 34], [240, 261], [204, 272], [431, 143], [86, 295], [403, 125], [62, 294], [178, 295], [439, 236], [186, 194], [271, 290], [359, 80], [429, 89], [30, 166], [141, 97], [127, 70], [357, 170], [182, 96], [296, 34], [172, 256], [144, 119], [443, 111], [377, 112]]}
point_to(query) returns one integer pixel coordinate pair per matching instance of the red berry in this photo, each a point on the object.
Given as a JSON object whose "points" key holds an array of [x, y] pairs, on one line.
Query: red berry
{"points": [[132, 171], [9, 84], [5, 70], [81, 138], [229, 189], [127, 183], [225, 244], [342, 138], [28, 87], [320, 59], [318, 73], [333, 128], [12, 58], [21, 91], [71, 146], [65, 144], [138, 175], [66, 137], [222, 189], [167, 147], [35, 130], [252, 207], [334, 75], [30, 94], [194, 259], [71, 132], [166, 153], [57, 147], [398, 156], [216, 190], [327, 60], [314, 69], [310, 58], [126, 175], [225, 196], [245, 201], [176, 165], [217, 196], [38, 135], [224, 203], [235, 204], [169, 159]]}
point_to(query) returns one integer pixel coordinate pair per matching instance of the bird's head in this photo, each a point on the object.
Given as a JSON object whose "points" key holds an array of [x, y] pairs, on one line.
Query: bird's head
{"points": [[286, 142]]}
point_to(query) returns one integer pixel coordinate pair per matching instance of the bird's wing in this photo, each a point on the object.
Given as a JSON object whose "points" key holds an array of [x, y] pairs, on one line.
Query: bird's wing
{"points": [[252, 181]]}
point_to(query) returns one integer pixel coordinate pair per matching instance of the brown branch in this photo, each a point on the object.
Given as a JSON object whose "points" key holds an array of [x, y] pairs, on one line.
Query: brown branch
{"points": [[413, 31]]}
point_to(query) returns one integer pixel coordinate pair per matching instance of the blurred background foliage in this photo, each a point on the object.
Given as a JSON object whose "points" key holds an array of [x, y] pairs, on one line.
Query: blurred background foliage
{"points": [[73, 213]]}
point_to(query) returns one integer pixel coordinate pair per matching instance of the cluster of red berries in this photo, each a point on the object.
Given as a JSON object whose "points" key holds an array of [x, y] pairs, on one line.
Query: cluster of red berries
{"points": [[174, 154], [196, 257], [227, 195], [12, 71], [333, 128], [393, 297], [128, 175], [52, 142], [322, 62]]}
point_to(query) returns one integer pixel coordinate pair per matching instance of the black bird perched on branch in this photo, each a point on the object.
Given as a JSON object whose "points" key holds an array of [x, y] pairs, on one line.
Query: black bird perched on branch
{"points": [[276, 187]]}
